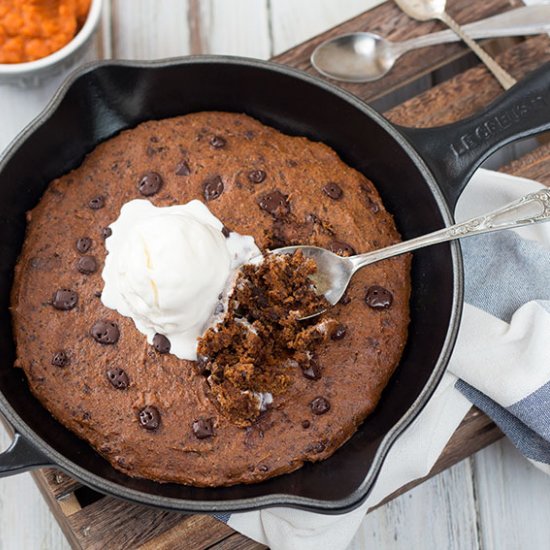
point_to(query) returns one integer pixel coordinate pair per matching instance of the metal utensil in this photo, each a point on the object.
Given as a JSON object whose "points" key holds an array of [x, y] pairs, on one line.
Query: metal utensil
{"points": [[335, 272], [424, 10], [47, 8], [367, 56]]}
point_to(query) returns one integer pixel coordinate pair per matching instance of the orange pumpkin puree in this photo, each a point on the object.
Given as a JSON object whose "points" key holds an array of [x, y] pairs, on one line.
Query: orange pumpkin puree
{"points": [[30, 29]]}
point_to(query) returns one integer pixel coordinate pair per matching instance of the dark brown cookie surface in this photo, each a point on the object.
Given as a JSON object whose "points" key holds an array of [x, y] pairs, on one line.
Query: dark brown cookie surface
{"points": [[95, 371]]}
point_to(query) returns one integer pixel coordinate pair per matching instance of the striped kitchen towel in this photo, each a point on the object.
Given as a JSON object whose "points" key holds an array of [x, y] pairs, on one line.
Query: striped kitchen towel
{"points": [[501, 363]]}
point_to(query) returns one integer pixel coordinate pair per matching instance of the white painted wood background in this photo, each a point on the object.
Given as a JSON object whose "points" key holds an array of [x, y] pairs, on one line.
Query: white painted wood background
{"points": [[494, 500]]}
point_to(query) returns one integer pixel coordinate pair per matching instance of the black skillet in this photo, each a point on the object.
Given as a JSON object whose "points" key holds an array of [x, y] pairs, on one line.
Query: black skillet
{"points": [[419, 173]]}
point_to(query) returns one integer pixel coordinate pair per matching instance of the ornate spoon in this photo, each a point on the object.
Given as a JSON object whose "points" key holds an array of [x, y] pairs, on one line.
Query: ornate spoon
{"points": [[335, 272]]}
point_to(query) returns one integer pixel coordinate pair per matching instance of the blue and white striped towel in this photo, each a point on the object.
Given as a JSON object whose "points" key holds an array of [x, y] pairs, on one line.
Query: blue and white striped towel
{"points": [[501, 363]]}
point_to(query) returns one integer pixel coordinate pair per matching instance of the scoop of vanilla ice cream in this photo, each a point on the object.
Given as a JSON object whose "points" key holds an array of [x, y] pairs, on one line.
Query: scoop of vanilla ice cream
{"points": [[167, 266]]}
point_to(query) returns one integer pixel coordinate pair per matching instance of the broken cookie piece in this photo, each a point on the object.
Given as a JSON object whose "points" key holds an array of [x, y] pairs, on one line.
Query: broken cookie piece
{"points": [[260, 345]]}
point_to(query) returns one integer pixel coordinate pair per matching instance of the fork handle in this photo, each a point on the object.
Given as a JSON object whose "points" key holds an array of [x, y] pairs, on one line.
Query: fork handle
{"points": [[530, 209], [505, 79]]}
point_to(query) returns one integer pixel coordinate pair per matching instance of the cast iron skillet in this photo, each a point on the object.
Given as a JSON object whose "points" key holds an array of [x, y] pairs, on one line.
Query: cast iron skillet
{"points": [[419, 173]]}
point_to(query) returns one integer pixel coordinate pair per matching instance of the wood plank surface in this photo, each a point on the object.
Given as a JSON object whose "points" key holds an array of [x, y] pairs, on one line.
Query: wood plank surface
{"points": [[135, 29], [59, 483], [470, 91], [534, 165], [113, 523], [388, 21], [293, 24], [512, 517], [235, 28], [237, 542], [419, 519]]}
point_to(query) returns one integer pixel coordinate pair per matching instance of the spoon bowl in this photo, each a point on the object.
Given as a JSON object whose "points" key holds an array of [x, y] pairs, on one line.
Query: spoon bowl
{"points": [[333, 272], [355, 57], [422, 10]]}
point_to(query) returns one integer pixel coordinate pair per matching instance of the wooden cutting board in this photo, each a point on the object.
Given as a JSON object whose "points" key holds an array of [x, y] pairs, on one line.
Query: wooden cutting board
{"points": [[93, 521]]}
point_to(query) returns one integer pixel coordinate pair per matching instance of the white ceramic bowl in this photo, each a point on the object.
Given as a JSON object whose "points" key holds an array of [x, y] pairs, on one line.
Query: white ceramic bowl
{"points": [[33, 73]]}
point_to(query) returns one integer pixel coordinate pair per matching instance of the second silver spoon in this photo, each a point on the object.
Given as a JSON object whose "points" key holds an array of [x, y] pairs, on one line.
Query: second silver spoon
{"points": [[367, 56]]}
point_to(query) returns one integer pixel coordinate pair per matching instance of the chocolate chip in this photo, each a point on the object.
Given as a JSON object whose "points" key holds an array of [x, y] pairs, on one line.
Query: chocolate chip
{"points": [[87, 265], [149, 418], [313, 370], [339, 332], [97, 293], [318, 447], [182, 168], [306, 424], [106, 232], [202, 365], [378, 297], [341, 248], [152, 151], [118, 378], [333, 190], [256, 176], [105, 332], [218, 309], [263, 468], [217, 142], [260, 297], [97, 202], [60, 359], [150, 184], [121, 461], [373, 206], [226, 231], [372, 342], [275, 203], [161, 343], [203, 428], [319, 406], [84, 244], [345, 299], [64, 299], [212, 188]]}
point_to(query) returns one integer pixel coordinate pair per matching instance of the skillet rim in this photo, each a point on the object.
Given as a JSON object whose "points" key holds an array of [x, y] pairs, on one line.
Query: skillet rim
{"points": [[359, 495]]}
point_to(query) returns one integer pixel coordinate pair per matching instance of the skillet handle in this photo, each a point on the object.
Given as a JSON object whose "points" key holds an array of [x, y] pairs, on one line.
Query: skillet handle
{"points": [[454, 151], [21, 456]]}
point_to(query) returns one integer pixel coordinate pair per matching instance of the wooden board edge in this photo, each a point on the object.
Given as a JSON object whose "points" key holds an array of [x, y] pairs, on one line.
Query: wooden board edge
{"points": [[56, 509]]}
